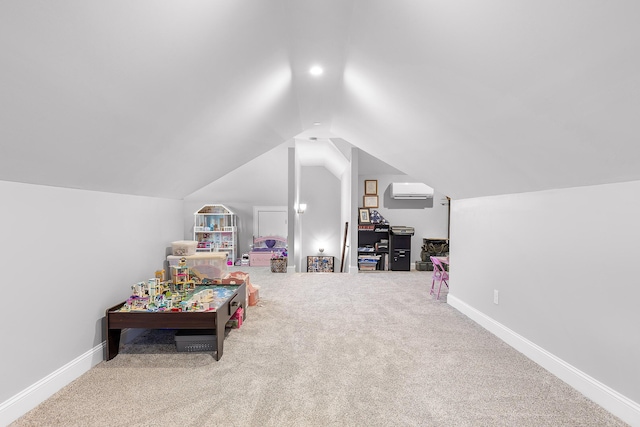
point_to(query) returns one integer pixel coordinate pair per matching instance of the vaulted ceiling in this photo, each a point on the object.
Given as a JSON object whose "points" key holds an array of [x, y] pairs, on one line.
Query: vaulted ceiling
{"points": [[160, 98]]}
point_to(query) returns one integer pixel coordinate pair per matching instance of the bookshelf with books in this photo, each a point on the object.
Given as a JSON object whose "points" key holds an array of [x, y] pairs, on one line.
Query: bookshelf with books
{"points": [[373, 247]]}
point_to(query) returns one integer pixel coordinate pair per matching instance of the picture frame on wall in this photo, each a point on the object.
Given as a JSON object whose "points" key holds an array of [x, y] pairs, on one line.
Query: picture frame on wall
{"points": [[370, 201], [363, 216], [371, 187]]}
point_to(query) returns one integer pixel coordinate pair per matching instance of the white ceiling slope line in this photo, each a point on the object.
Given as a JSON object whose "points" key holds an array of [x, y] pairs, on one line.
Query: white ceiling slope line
{"points": [[263, 178], [321, 152], [370, 165]]}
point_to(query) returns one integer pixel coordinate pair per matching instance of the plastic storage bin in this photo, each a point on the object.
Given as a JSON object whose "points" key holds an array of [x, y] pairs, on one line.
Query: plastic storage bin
{"points": [[205, 265], [184, 247], [188, 340], [367, 266]]}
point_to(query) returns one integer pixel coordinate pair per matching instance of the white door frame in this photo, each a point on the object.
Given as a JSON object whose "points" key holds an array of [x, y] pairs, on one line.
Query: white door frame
{"points": [[258, 209]]}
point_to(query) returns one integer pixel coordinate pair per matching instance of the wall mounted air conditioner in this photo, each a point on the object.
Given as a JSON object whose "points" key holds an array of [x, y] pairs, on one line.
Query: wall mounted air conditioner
{"points": [[411, 191]]}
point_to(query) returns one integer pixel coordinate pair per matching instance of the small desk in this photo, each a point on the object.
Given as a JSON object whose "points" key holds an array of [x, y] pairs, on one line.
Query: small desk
{"points": [[118, 320]]}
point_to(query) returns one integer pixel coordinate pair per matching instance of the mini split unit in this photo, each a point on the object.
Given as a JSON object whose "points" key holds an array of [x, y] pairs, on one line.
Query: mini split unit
{"points": [[411, 191]]}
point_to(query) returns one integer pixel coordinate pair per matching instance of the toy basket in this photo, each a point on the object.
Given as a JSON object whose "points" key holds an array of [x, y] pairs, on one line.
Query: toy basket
{"points": [[279, 265]]}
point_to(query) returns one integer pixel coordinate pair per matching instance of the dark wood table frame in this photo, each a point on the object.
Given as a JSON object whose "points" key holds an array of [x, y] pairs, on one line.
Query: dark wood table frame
{"points": [[117, 321]]}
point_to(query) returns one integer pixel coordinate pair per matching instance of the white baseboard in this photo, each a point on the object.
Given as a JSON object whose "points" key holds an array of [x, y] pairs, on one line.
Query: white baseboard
{"points": [[614, 402], [32, 396], [18, 405]]}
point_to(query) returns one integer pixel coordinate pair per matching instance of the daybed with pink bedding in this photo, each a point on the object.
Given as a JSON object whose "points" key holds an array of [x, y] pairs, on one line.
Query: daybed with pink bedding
{"points": [[265, 248]]}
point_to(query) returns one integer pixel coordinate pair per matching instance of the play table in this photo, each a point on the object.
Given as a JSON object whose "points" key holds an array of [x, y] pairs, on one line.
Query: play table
{"points": [[225, 307]]}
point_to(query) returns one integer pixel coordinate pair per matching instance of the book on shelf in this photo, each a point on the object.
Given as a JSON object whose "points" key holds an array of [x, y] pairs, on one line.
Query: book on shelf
{"points": [[366, 227]]}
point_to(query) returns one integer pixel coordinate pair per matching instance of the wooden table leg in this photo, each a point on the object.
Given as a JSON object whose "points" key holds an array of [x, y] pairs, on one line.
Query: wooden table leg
{"points": [[220, 326], [113, 342]]}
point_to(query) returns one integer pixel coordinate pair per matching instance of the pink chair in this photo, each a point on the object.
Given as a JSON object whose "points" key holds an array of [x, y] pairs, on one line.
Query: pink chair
{"points": [[440, 275]]}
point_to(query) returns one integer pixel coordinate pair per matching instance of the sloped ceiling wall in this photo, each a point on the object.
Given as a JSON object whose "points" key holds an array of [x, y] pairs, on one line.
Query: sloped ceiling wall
{"points": [[161, 98], [492, 97], [146, 97]]}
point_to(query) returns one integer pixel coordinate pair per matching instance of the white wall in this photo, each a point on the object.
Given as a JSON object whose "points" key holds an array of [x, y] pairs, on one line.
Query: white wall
{"points": [[565, 263], [354, 203], [346, 208], [67, 255], [321, 222], [260, 182]]}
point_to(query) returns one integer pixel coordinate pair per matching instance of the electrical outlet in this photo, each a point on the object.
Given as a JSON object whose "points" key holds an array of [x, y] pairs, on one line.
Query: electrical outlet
{"points": [[496, 299]]}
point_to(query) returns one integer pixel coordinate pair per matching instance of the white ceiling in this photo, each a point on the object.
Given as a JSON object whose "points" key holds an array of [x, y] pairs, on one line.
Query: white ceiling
{"points": [[161, 98]]}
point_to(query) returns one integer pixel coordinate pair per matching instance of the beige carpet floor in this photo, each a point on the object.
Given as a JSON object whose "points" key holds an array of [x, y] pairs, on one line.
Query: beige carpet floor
{"points": [[370, 349]]}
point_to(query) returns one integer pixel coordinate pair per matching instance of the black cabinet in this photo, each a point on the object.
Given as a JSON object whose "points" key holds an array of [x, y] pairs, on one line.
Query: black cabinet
{"points": [[373, 247], [400, 248], [400, 253]]}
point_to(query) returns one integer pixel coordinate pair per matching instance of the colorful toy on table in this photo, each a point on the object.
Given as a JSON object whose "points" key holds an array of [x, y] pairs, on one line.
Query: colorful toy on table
{"points": [[154, 295], [136, 303], [150, 298], [181, 277], [179, 293]]}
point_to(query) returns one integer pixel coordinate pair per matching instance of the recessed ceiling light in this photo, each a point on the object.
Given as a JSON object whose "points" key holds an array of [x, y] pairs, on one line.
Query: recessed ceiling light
{"points": [[316, 70], [317, 123]]}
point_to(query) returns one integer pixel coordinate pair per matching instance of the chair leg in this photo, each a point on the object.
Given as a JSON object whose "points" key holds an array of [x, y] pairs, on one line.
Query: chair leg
{"points": [[440, 287]]}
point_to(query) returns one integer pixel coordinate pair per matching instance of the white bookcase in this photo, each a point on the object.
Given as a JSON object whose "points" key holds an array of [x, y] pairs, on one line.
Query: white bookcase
{"points": [[215, 230]]}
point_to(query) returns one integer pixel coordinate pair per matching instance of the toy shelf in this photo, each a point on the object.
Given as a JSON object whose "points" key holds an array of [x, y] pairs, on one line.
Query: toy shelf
{"points": [[215, 230]]}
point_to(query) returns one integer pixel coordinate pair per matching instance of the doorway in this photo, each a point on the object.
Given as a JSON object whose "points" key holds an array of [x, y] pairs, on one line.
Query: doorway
{"points": [[270, 221]]}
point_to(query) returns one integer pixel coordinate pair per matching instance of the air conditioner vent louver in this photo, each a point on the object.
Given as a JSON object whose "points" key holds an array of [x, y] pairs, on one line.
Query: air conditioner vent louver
{"points": [[411, 191]]}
